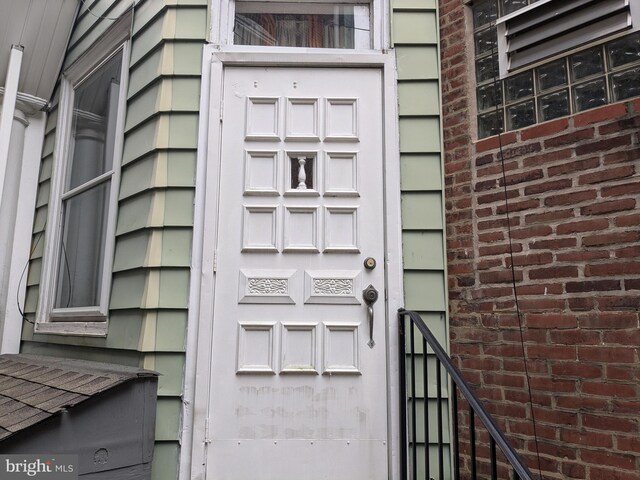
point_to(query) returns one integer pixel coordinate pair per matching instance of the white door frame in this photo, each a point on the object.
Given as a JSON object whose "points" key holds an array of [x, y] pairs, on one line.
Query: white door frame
{"points": [[197, 388]]}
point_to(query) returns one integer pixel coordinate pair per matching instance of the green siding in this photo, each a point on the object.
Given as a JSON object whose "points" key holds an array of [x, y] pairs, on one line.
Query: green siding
{"points": [[419, 98], [161, 169], [420, 172], [171, 329], [423, 250], [165, 460], [415, 27], [39, 224], [148, 306], [416, 63], [415, 36], [424, 290], [419, 135], [45, 168], [134, 213], [422, 210], [398, 5], [167, 419]]}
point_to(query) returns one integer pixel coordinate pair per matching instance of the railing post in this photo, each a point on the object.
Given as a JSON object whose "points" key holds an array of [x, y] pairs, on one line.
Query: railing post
{"points": [[472, 442], [456, 439], [425, 381], [414, 434], [494, 466], [440, 422], [403, 395]]}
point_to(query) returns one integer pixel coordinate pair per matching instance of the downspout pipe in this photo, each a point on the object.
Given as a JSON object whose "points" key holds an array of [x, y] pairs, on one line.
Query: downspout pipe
{"points": [[193, 322]]}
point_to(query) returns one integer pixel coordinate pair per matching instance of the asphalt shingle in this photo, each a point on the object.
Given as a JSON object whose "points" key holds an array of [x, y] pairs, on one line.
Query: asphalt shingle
{"points": [[34, 388]]}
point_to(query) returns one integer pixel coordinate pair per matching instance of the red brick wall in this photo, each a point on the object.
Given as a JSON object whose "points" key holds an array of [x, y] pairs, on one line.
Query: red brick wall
{"points": [[573, 187]]}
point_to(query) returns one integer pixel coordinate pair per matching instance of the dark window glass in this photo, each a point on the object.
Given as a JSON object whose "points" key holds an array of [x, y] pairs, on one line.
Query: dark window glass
{"points": [[486, 41], [626, 84], [519, 86], [521, 115], [554, 105], [291, 24], [487, 68], [586, 63], [95, 105], [82, 248], [489, 96], [510, 6], [484, 12], [552, 75], [590, 95], [623, 51], [489, 124]]}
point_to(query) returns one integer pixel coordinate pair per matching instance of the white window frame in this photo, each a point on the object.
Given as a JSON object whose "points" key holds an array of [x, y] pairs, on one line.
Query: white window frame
{"points": [[223, 18], [89, 321]]}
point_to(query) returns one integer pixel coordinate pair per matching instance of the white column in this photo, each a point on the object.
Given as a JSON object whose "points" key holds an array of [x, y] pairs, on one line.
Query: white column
{"points": [[8, 107], [9, 329]]}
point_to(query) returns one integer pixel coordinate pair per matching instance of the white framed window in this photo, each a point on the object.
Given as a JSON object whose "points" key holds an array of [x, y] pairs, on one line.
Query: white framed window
{"points": [[76, 277], [308, 24], [314, 25]]}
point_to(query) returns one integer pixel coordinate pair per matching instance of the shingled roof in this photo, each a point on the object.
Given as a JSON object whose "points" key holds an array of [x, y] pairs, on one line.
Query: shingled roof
{"points": [[34, 388]]}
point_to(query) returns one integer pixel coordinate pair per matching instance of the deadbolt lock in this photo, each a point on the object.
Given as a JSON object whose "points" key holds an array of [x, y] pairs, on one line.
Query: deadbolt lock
{"points": [[369, 263]]}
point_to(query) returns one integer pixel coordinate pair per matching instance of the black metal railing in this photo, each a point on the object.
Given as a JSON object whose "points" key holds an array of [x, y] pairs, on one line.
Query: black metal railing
{"points": [[409, 413]]}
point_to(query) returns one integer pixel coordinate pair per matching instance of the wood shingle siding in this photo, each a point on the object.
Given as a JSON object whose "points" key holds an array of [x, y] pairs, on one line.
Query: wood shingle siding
{"points": [[415, 38]]}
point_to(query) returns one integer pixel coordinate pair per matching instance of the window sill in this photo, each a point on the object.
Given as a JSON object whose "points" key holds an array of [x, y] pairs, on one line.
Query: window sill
{"points": [[85, 329]]}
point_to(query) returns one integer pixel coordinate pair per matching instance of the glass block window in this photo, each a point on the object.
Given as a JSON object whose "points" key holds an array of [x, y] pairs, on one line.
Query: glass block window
{"points": [[585, 79]]}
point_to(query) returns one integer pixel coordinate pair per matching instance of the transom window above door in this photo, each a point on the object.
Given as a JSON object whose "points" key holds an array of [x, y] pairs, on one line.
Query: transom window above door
{"points": [[308, 25]]}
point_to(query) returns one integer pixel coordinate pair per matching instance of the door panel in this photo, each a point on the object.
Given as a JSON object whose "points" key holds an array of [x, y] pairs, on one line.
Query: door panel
{"points": [[296, 389]]}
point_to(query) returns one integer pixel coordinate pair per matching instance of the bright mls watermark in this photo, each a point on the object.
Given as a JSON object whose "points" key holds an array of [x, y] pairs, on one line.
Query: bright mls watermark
{"points": [[50, 467]]}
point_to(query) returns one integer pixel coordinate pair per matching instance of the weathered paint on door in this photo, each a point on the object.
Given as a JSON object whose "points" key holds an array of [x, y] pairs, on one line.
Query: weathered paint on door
{"points": [[296, 390]]}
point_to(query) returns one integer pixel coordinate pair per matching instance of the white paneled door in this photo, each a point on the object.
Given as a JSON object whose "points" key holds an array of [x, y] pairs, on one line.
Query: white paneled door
{"points": [[298, 387]]}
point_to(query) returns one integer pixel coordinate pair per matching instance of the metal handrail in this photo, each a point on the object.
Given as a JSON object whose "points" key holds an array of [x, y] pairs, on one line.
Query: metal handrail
{"points": [[476, 407]]}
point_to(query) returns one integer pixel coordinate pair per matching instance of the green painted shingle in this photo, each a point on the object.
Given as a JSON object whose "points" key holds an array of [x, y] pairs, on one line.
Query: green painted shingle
{"points": [[420, 172], [420, 135], [415, 27], [425, 290], [423, 250], [422, 211], [419, 98], [417, 62]]}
